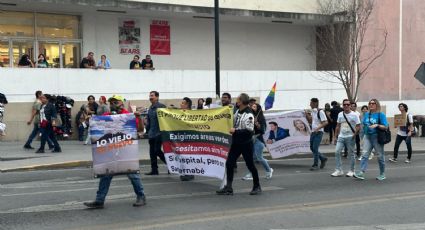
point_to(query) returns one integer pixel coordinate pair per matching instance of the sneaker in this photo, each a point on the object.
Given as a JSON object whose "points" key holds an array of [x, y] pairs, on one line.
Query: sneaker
{"points": [[370, 156], [314, 168], [140, 201], [94, 205], [359, 175], [337, 173], [381, 177], [394, 160], [269, 174], [360, 158], [225, 191], [407, 161], [247, 177], [323, 163], [255, 191], [28, 147], [349, 174]]}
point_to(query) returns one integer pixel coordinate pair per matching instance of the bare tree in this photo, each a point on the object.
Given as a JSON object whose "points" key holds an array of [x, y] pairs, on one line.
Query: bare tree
{"points": [[341, 49]]}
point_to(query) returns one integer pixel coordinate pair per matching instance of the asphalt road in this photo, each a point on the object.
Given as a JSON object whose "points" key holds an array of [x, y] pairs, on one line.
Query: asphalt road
{"points": [[294, 198]]}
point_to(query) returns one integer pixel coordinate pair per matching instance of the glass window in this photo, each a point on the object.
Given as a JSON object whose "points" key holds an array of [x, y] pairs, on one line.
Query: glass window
{"points": [[4, 53], [57, 26], [71, 54], [51, 51], [20, 48], [16, 24]]}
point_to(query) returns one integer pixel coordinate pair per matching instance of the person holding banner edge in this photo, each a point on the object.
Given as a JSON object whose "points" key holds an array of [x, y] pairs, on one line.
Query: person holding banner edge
{"points": [[117, 107], [186, 104], [242, 143], [317, 119]]}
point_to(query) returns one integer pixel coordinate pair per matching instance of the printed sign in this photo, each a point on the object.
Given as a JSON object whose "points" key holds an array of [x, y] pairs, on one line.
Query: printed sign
{"points": [[160, 37], [196, 142], [400, 120], [287, 133], [114, 144], [129, 36]]}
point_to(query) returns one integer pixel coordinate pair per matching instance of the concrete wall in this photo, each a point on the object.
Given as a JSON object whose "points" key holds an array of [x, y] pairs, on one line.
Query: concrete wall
{"points": [[248, 46]]}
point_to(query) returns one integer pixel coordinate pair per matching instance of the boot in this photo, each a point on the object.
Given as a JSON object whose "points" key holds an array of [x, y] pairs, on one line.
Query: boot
{"points": [[256, 190], [227, 190]]}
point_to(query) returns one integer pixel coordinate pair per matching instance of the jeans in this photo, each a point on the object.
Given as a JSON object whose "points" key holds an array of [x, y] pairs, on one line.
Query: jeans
{"points": [[315, 139], [46, 134], [258, 154], [34, 133], [247, 151], [81, 132], [371, 142], [105, 182], [398, 141], [347, 142], [155, 151]]}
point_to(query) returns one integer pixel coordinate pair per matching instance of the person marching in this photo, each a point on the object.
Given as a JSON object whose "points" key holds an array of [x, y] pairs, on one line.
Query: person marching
{"points": [[404, 133], [242, 143], [348, 127], [117, 107]]}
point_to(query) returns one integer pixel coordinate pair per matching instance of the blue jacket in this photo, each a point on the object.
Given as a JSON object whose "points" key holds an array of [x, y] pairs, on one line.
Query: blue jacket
{"points": [[152, 126], [281, 134]]}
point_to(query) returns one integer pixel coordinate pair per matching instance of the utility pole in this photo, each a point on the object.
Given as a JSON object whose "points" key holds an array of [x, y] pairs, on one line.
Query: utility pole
{"points": [[217, 47]]}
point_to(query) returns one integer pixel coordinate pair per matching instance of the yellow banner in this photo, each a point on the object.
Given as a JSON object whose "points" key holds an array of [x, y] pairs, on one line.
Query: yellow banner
{"points": [[205, 120]]}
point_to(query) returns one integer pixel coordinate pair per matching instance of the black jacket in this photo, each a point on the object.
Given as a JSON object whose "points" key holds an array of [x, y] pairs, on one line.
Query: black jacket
{"points": [[50, 112]]}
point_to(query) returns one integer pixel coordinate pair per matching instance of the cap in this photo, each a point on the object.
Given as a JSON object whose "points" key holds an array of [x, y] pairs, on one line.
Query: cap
{"points": [[117, 97]]}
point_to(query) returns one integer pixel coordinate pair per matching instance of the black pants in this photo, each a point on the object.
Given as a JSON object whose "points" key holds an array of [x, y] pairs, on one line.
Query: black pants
{"points": [[46, 134], [398, 141], [155, 151], [331, 131], [358, 145], [247, 151]]}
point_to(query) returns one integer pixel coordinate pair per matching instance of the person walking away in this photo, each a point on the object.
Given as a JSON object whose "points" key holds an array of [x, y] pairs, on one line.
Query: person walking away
{"points": [[242, 143], [117, 107], [35, 119], [259, 144], [372, 121], [154, 134], [317, 119], [404, 133], [347, 129], [48, 116]]}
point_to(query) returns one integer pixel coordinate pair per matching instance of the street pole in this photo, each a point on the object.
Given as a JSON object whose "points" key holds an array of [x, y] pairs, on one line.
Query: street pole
{"points": [[217, 48]]}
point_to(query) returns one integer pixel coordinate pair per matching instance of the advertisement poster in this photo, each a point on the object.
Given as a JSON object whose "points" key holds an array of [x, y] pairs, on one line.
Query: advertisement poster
{"points": [[114, 144], [287, 133], [129, 36], [160, 37], [196, 142]]}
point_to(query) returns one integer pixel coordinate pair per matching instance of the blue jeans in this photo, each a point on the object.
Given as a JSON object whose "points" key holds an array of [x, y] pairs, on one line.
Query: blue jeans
{"points": [[258, 154], [315, 139], [34, 133], [105, 182], [371, 142], [342, 142], [81, 132]]}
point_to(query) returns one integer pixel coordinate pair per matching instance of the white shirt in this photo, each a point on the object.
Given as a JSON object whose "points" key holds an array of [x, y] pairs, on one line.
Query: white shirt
{"points": [[403, 130], [353, 118], [315, 120]]}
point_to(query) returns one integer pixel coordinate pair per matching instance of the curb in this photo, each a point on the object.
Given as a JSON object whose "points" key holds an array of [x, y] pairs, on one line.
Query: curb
{"points": [[88, 164]]}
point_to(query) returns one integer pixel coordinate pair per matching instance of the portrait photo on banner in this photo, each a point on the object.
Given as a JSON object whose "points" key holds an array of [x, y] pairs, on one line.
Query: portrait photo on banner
{"points": [[287, 133]]}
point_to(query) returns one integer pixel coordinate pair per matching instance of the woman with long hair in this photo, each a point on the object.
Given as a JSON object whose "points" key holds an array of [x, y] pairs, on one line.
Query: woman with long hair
{"points": [[372, 121], [300, 128]]}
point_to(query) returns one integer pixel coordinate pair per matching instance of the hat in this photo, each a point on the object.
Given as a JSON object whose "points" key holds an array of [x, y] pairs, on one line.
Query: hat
{"points": [[117, 98]]}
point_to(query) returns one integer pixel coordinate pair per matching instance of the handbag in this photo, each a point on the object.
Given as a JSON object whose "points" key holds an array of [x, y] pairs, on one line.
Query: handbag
{"points": [[43, 124], [384, 136]]}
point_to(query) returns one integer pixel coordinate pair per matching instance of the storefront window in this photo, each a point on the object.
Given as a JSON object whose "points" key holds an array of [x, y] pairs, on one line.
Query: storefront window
{"points": [[71, 54], [57, 26], [4, 53], [51, 51], [21, 47], [16, 24]]}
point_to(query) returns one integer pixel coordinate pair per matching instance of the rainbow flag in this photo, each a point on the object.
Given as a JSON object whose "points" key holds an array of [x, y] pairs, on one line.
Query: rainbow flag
{"points": [[268, 104]]}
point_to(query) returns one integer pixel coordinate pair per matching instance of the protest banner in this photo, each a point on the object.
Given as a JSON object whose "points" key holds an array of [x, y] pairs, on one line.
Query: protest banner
{"points": [[196, 142], [129, 36], [114, 144], [287, 133]]}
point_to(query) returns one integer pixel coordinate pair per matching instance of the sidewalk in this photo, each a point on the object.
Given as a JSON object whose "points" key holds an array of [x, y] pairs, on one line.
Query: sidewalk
{"points": [[74, 154]]}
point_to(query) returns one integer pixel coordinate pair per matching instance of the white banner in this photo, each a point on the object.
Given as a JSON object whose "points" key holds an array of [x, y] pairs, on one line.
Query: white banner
{"points": [[287, 133]]}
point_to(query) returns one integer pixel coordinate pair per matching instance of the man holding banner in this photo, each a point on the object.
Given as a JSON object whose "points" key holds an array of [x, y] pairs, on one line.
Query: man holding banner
{"points": [[242, 143], [117, 144]]}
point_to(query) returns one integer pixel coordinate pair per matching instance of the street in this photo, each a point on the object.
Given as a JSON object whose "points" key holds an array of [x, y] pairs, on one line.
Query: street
{"points": [[294, 198]]}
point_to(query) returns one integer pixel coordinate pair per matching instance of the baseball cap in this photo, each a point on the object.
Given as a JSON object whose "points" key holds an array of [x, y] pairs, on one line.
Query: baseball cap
{"points": [[117, 98]]}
